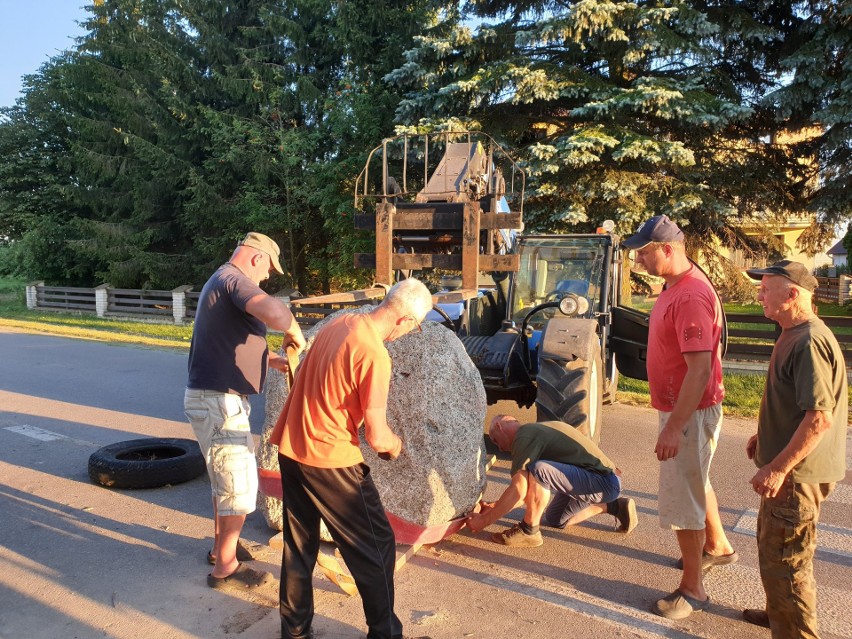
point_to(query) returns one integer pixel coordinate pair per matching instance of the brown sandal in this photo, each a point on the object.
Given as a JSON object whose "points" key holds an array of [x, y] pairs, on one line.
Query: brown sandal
{"points": [[243, 578]]}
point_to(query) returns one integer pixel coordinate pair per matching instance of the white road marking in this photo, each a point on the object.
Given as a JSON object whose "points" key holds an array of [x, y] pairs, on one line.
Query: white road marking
{"points": [[639, 623], [831, 539], [739, 587], [626, 620], [35, 432]]}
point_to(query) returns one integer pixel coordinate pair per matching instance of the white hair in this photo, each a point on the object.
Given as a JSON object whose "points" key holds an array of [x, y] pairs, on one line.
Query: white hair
{"points": [[409, 297]]}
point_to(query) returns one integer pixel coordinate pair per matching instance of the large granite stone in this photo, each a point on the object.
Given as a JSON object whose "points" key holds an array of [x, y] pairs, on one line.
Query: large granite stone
{"points": [[437, 406]]}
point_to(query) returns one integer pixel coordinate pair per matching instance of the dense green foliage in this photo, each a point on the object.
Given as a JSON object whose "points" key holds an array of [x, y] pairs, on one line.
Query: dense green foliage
{"points": [[143, 154], [625, 108]]}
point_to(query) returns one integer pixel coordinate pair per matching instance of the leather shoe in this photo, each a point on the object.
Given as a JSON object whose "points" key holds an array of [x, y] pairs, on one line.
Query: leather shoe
{"points": [[756, 617]]}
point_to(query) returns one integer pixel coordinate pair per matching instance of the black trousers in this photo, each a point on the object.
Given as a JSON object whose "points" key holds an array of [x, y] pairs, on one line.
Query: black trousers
{"points": [[347, 499]]}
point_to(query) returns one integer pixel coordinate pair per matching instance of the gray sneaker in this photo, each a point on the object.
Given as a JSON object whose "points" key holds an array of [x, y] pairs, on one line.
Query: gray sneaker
{"points": [[626, 514], [517, 538]]}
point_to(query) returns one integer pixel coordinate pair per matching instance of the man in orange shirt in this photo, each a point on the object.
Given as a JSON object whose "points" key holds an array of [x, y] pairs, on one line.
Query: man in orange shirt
{"points": [[343, 381]]}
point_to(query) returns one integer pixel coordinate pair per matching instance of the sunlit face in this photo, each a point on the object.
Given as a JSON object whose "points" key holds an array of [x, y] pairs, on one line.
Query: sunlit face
{"points": [[651, 258], [774, 295]]}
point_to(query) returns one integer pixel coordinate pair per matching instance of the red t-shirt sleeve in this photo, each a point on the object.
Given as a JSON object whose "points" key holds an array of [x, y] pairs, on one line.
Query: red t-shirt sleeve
{"points": [[693, 322]]}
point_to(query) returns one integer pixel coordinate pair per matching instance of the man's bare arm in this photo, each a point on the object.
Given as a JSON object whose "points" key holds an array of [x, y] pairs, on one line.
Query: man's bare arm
{"points": [[511, 498], [379, 435], [275, 314]]}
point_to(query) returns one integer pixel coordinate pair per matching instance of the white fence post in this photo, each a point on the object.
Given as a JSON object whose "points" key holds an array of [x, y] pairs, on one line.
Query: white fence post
{"points": [[101, 300], [32, 294], [179, 303]]}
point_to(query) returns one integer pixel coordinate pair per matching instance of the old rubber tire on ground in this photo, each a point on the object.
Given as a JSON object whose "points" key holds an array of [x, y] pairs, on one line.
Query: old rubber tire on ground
{"points": [[571, 392], [146, 463]]}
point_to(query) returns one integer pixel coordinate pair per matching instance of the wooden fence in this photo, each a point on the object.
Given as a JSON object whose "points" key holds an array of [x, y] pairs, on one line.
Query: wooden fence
{"points": [[192, 303], [751, 337], [124, 301], [66, 298], [104, 301], [834, 290]]}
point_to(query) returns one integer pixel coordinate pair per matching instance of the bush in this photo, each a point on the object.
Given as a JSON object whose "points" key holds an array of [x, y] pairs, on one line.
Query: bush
{"points": [[826, 270], [735, 286]]}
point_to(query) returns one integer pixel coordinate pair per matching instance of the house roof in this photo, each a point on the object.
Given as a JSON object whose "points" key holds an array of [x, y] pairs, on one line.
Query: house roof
{"points": [[837, 249]]}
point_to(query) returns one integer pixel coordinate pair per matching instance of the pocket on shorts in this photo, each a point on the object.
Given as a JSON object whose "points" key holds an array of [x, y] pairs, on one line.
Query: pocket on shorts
{"points": [[196, 414], [231, 407], [234, 428], [231, 472]]}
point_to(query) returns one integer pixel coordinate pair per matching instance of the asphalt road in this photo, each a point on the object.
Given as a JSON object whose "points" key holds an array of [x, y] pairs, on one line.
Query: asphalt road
{"points": [[79, 560]]}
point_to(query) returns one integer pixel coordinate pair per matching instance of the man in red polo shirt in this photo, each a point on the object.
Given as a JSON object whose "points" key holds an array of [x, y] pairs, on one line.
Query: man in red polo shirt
{"points": [[685, 380]]}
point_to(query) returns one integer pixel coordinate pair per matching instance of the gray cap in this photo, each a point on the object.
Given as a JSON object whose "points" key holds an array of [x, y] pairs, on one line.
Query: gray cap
{"points": [[658, 229], [793, 271]]}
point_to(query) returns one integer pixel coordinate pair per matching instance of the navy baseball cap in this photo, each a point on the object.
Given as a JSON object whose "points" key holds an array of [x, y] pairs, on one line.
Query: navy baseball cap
{"points": [[793, 271], [658, 229]]}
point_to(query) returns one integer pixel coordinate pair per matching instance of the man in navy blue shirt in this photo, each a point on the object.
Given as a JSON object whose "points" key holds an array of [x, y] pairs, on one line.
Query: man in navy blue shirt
{"points": [[228, 361]]}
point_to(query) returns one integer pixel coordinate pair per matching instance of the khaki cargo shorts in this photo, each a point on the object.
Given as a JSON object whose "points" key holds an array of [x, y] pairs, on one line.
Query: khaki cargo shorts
{"points": [[685, 479], [221, 425]]}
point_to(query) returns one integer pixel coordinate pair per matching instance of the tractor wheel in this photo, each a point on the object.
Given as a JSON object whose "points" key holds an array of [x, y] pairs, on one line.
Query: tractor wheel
{"points": [[571, 392]]}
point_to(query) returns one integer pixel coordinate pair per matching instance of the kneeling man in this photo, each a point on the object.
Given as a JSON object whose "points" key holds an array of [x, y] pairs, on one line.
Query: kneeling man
{"points": [[561, 477]]}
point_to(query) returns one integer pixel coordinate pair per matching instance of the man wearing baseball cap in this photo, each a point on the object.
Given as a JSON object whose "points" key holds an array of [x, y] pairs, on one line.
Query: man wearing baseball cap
{"points": [[799, 448], [228, 359], [685, 381]]}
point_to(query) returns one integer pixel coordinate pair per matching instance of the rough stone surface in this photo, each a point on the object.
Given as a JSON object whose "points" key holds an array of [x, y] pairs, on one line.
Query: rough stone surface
{"points": [[267, 454], [437, 406]]}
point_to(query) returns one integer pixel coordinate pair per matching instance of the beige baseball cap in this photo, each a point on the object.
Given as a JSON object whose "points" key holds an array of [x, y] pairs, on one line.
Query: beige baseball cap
{"points": [[267, 245]]}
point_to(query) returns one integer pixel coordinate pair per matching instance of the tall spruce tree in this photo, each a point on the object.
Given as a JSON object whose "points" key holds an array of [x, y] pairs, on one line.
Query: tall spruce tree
{"points": [[38, 214], [621, 110], [182, 124], [129, 103], [817, 58]]}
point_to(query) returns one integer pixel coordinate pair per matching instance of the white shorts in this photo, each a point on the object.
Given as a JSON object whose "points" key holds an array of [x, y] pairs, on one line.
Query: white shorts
{"points": [[685, 479], [221, 425]]}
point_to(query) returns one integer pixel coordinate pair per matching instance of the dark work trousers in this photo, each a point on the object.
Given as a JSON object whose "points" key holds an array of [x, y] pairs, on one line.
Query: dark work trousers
{"points": [[347, 499]]}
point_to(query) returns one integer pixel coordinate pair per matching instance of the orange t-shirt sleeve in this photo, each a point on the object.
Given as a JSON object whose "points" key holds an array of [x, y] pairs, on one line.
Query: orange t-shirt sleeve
{"points": [[374, 382]]}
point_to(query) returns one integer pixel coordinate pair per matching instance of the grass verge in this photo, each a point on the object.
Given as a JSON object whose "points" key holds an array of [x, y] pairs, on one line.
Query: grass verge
{"points": [[742, 393]]}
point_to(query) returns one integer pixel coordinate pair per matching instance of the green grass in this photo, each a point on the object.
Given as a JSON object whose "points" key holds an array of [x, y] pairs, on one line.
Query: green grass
{"points": [[742, 394]]}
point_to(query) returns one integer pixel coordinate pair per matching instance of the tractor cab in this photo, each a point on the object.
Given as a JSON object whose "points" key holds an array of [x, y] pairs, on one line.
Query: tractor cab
{"points": [[555, 267]]}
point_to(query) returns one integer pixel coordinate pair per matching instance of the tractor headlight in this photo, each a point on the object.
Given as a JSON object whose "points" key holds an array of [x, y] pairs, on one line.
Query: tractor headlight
{"points": [[572, 305]]}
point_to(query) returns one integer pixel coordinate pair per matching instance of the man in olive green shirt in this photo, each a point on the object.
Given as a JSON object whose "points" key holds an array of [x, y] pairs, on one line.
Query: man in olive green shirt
{"points": [[561, 477], [799, 448]]}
